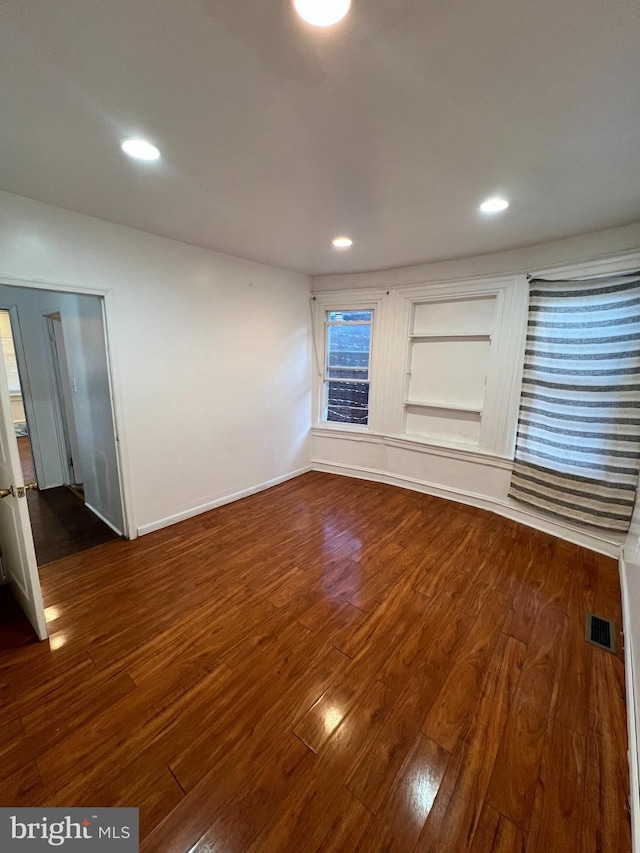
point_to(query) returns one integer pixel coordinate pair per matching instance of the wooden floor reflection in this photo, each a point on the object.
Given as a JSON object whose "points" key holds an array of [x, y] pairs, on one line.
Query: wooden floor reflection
{"points": [[330, 665]]}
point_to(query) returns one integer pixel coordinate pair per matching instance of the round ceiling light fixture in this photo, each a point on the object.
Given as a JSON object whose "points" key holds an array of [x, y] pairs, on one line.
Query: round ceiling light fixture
{"points": [[494, 205], [342, 242], [140, 149], [322, 13]]}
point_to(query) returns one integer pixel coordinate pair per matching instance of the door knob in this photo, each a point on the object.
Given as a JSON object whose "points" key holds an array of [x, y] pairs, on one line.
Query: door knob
{"points": [[18, 491]]}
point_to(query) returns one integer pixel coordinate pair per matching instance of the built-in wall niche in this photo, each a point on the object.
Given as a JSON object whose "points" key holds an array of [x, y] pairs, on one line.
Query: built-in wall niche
{"points": [[448, 361]]}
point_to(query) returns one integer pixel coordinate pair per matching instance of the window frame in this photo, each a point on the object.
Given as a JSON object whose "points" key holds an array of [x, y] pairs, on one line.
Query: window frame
{"points": [[322, 304], [327, 368]]}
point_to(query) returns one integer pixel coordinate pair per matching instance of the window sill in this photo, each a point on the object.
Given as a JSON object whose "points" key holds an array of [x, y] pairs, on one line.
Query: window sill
{"points": [[352, 429]]}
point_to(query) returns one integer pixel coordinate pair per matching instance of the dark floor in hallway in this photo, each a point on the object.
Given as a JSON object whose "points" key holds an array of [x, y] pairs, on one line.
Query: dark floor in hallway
{"points": [[61, 523]]}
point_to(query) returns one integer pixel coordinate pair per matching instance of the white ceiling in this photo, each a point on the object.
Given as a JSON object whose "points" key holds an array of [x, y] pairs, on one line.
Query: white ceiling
{"points": [[390, 127]]}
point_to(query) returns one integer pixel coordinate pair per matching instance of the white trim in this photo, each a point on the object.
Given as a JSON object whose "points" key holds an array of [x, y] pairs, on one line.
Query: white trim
{"points": [[214, 504], [341, 301], [620, 262], [450, 289], [103, 519], [345, 298], [423, 445], [466, 454], [108, 317], [506, 509], [49, 284], [119, 427], [634, 770], [351, 432]]}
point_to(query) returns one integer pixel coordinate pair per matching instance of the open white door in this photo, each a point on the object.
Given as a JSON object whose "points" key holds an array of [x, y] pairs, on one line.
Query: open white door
{"points": [[16, 540]]}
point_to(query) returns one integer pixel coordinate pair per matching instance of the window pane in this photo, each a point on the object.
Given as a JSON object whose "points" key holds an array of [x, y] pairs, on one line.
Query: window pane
{"points": [[356, 373], [348, 346], [350, 316], [348, 402], [347, 367]]}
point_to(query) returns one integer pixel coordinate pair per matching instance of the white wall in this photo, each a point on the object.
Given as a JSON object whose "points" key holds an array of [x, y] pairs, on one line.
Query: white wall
{"points": [[480, 475], [210, 355]]}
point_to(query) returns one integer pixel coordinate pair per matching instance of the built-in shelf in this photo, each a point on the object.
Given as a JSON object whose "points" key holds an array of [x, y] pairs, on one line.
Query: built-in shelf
{"points": [[448, 407], [450, 337]]}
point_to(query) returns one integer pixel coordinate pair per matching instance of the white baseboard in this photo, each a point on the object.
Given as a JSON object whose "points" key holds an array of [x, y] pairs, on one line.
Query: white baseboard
{"points": [[504, 508], [103, 519], [634, 770], [213, 504]]}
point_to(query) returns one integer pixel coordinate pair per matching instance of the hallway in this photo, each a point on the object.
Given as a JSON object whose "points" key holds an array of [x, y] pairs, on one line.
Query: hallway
{"points": [[61, 523]]}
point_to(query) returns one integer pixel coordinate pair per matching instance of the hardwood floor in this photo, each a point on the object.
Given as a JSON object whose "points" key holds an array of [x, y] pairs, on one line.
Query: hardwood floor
{"points": [[61, 523], [331, 665]]}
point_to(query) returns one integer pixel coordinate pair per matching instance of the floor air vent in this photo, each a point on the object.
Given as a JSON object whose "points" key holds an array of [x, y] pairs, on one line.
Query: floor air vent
{"points": [[600, 632]]}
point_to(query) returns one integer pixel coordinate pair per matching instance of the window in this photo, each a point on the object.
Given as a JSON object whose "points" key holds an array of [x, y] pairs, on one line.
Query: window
{"points": [[346, 375]]}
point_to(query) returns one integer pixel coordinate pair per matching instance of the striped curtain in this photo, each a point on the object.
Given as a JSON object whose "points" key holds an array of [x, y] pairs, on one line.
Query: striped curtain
{"points": [[578, 441]]}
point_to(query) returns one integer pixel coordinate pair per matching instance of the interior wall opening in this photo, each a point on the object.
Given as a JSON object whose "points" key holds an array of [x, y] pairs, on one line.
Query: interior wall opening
{"points": [[55, 350]]}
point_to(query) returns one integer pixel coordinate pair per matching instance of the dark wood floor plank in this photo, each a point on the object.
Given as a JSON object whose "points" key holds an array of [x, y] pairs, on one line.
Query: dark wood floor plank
{"points": [[152, 788], [450, 712], [515, 774], [294, 826], [150, 706], [277, 701], [342, 825], [605, 828], [431, 644], [570, 704], [496, 834], [531, 593], [400, 819], [558, 805], [480, 748], [258, 799], [184, 665], [23, 788], [606, 779], [608, 597]]}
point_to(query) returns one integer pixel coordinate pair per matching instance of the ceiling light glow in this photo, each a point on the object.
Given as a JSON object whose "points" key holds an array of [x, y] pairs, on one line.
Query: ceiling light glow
{"points": [[322, 13], [140, 149], [342, 242], [494, 205]]}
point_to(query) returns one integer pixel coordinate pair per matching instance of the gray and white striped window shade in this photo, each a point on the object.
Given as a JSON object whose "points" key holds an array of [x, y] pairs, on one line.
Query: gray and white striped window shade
{"points": [[578, 442]]}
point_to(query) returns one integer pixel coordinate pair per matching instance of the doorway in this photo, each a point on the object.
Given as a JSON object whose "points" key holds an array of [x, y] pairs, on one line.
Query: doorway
{"points": [[60, 391]]}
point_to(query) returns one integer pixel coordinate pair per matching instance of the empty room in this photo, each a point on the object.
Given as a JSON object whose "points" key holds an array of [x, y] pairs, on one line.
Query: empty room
{"points": [[320, 426]]}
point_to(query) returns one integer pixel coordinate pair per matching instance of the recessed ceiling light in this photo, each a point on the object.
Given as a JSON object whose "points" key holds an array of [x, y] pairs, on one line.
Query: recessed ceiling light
{"points": [[494, 205], [342, 242], [322, 13], [140, 149]]}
